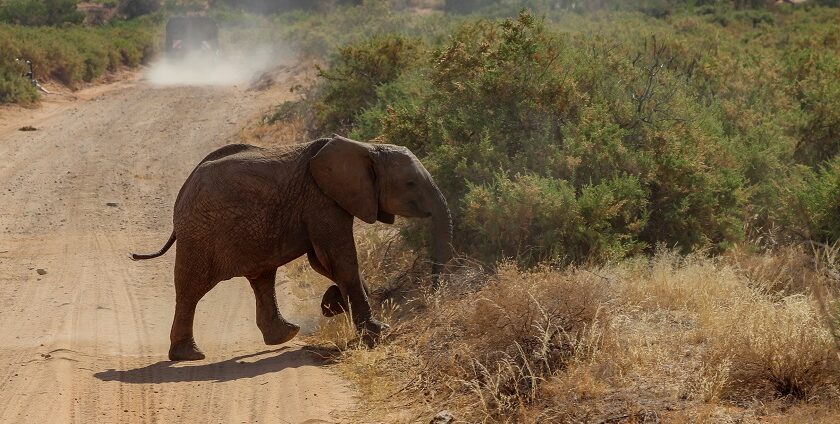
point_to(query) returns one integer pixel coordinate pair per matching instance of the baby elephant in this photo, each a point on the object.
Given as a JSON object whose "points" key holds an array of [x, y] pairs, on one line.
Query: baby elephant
{"points": [[246, 210]]}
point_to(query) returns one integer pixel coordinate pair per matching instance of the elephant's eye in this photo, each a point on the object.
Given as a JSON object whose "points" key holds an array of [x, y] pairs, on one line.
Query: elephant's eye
{"points": [[411, 184]]}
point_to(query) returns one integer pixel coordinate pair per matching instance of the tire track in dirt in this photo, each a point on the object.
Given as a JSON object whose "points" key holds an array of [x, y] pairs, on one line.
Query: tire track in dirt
{"points": [[87, 341]]}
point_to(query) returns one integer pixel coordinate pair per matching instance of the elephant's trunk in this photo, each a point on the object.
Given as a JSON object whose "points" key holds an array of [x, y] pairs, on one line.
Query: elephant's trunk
{"points": [[441, 246]]}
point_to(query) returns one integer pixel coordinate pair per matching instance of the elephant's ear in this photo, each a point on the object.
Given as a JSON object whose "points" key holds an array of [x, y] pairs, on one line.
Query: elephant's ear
{"points": [[343, 170]]}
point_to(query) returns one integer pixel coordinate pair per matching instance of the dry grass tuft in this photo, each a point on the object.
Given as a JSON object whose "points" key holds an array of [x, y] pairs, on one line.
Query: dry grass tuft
{"points": [[522, 329], [488, 346], [771, 348], [787, 270]]}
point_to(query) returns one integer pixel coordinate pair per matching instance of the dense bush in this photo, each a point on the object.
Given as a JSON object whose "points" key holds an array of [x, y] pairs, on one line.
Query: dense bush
{"points": [[813, 203], [610, 169], [15, 88], [517, 98], [70, 55], [551, 144], [531, 217], [360, 69], [40, 12]]}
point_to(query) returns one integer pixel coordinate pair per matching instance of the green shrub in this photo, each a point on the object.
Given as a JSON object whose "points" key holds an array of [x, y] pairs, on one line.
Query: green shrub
{"points": [[70, 55], [614, 136], [818, 91], [530, 218], [40, 12], [355, 75], [518, 98], [812, 207], [691, 133], [522, 218], [14, 88]]}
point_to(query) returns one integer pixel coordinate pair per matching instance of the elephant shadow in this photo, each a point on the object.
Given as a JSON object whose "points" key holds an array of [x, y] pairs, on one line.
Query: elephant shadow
{"points": [[227, 370]]}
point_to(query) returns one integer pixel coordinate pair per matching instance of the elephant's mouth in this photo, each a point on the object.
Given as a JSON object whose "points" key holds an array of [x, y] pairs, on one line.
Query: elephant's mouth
{"points": [[418, 211]]}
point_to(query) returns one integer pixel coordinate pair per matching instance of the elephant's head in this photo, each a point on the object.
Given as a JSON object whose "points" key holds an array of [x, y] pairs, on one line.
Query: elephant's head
{"points": [[377, 181]]}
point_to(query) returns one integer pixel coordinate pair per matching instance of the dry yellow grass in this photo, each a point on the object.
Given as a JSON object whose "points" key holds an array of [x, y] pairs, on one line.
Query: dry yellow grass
{"points": [[670, 338]]}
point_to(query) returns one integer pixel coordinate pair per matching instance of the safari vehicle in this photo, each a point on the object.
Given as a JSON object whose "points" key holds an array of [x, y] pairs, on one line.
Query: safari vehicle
{"points": [[189, 34]]}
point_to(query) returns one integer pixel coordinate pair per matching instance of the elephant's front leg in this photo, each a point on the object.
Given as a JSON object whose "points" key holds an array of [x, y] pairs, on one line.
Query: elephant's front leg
{"points": [[275, 329], [332, 303], [337, 255]]}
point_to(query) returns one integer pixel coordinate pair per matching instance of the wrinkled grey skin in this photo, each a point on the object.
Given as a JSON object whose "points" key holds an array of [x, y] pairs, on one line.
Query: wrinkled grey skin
{"points": [[245, 211]]}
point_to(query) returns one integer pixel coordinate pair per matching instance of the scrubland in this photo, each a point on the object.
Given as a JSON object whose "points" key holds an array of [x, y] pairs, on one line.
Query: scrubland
{"points": [[740, 337], [644, 200]]}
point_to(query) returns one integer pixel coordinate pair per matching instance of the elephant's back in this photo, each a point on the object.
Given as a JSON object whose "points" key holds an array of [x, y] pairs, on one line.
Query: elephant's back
{"points": [[230, 150], [245, 177], [223, 152], [238, 203], [236, 186]]}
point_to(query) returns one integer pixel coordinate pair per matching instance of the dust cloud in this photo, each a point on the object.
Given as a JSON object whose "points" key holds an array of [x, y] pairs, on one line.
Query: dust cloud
{"points": [[217, 69]]}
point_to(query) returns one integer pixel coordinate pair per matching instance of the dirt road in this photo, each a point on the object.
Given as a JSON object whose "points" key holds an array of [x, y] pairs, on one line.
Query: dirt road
{"points": [[83, 330]]}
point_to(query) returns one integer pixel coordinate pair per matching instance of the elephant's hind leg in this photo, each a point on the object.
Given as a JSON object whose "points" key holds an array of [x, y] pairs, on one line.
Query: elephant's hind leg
{"points": [[190, 287], [275, 329]]}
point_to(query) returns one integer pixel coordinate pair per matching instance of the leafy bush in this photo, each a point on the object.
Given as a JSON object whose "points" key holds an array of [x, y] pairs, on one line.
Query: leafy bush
{"points": [[15, 88], [70, 55], [813, 203], [818, 91], [358, 71], [703, 124], [516, 98], [531, 217], [40, 12]]}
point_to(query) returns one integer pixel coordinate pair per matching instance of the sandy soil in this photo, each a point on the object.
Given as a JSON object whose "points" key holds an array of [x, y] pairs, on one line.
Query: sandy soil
{"points": [[84, 330]]}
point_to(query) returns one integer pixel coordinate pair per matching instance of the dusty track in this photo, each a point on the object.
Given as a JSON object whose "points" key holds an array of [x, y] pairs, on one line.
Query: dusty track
{"points": [[87, 341]]}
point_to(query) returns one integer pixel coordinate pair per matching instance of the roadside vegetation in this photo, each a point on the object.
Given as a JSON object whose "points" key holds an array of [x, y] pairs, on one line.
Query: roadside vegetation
{"points": [[593, 138], [53, 36], [645, 195], [665, 337]]}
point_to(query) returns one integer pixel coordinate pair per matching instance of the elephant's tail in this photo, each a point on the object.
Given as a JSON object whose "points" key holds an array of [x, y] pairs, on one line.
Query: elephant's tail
{"points": [[169, 243]]}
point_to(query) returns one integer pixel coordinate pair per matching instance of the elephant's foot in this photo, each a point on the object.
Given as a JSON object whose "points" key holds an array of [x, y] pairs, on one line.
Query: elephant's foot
{"points": [[333, 303], [372, 330], [185, 350], [278, 332]]}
